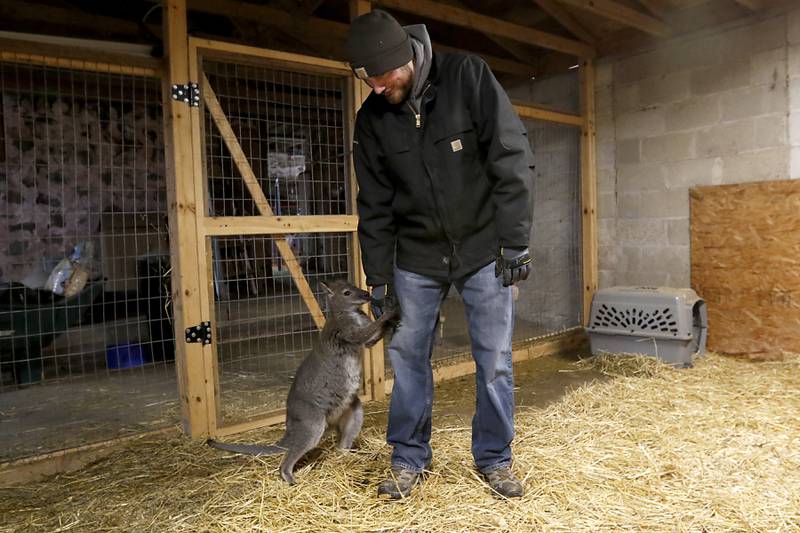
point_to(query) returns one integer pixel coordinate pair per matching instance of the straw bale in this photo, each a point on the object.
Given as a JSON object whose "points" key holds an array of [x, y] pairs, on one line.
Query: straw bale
{"points": [[711, 448]]}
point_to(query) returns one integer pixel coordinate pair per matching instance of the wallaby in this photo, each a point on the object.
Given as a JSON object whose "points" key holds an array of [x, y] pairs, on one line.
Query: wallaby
{"points": [[325, 388]]}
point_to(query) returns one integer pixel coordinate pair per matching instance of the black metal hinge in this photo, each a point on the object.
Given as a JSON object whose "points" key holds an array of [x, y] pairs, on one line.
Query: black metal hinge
{"points": [[201, 333], [189, 93]]}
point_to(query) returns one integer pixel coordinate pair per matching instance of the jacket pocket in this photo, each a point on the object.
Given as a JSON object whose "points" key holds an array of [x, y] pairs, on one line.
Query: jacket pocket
{"points": [[452, 128], [456, 142]]}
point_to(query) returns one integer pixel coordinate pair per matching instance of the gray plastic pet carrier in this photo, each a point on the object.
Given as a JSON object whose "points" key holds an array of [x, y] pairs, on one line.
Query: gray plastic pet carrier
{"points": [[670, 324]]}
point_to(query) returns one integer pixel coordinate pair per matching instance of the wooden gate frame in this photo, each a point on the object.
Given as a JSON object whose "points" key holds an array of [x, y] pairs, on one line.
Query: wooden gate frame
{"points": [[196, 363], [266, 222]]}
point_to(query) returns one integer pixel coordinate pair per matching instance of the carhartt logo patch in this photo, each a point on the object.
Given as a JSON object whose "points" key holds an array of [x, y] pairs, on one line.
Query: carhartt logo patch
{"points": [[456, 145]]}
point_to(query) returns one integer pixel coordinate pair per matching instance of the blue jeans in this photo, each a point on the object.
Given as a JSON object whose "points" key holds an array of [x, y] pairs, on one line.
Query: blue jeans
{"points": [[490, 315]]}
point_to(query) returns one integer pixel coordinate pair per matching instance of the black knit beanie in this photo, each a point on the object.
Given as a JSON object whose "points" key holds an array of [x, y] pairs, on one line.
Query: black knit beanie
{"points": [[376, 44]]}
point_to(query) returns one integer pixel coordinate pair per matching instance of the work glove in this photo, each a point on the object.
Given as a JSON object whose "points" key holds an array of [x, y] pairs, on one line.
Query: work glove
{"points": [[382, 298], [514, 264]]}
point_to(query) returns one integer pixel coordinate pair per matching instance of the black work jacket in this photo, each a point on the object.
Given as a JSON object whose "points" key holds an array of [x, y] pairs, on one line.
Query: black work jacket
{"points": [[442, 192]]}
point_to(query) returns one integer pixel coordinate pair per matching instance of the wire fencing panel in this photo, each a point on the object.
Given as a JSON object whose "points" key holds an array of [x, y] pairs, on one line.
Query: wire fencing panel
{"points": [[291, 128], [551, 299], [86, 341]]}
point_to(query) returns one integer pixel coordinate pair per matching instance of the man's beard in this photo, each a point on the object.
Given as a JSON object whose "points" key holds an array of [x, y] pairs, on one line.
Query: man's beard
{"points": [[401, 91], [397, 96]]}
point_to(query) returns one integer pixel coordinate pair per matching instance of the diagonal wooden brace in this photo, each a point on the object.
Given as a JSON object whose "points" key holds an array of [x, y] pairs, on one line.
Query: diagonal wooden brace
{"points": [[235, 149]]}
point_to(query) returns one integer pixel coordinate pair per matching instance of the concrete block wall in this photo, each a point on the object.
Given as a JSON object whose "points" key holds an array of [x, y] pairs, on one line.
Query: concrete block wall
{"points": [[721, 107]]}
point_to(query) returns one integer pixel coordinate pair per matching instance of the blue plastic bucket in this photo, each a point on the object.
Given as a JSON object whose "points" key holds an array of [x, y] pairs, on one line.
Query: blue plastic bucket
{"points": [[124, 356]]}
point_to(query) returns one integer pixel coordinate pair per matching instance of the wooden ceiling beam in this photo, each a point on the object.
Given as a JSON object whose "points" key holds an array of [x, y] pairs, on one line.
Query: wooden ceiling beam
{"points": [[563, 17], [516, 49], [319, 31], [314, 29], [659, 8], [497, 64], [27, 12], [485, 24], [697, 18], [623, 14], [752, 5]]}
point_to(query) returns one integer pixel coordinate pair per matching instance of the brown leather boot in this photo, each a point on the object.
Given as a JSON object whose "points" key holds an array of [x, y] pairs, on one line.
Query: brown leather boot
{"points": [[398, 484], [504, 482]]}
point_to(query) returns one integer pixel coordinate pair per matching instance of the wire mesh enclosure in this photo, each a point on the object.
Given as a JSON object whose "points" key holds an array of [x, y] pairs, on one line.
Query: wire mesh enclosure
{"points": [[551, 299], [264, 327], [86, 341], [291, 128]]}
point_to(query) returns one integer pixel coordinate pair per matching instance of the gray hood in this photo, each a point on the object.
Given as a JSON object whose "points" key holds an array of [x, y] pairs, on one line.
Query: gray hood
{"points": [[423, 58]]}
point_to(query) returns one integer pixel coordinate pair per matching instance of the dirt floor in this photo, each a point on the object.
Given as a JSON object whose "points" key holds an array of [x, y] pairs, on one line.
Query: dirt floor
{"points": [[639, 448]]}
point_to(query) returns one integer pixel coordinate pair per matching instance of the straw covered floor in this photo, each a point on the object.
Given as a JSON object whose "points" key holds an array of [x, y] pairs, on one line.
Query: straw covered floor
{"points": [[649, 448]]}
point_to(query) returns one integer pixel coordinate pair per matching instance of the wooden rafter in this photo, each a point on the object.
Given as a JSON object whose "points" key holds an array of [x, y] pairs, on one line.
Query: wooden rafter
{"points": [[557, 11], [516, 49], [623, 14], [685, 20], [498, 64], [485, 24], [67, 18], [321, 32], [752, 5], [76, 64], [316, 32], [659, 8], [301, 7]]}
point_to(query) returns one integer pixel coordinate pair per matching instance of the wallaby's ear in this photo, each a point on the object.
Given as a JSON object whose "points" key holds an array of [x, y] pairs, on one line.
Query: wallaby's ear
{"points": [[326, 287]]}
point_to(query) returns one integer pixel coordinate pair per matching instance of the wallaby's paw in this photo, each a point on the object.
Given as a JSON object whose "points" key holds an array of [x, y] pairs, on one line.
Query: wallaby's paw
{"points": [[392, 314]]}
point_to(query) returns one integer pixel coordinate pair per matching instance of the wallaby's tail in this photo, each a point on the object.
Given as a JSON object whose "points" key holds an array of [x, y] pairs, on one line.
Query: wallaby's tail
{"points": [[247, 449]]}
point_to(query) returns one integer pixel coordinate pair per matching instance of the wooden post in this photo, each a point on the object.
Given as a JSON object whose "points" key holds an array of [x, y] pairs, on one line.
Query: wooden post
{"points": [[205, 258], [588, 187], [374, 370], [189, 358], [359, 7]]}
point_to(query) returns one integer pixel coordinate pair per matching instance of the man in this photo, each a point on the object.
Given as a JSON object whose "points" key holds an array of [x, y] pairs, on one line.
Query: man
{"points": [[444, 169]]}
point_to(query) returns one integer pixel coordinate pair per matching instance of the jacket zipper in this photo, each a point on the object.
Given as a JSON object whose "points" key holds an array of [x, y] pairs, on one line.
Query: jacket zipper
{"points": [[418, 125], [417, 114]]}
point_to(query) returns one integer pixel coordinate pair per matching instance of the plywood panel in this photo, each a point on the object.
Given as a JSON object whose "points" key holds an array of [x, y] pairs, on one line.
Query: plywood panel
{"points": [[746, 265]]}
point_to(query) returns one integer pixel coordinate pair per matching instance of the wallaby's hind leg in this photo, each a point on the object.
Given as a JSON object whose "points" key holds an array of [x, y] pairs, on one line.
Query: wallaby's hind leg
{"points": [[350, 424], [305, 436]]}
